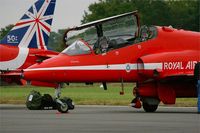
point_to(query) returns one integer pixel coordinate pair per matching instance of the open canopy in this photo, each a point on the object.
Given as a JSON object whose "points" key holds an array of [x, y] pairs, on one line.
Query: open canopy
{"points": [[106, 34]]}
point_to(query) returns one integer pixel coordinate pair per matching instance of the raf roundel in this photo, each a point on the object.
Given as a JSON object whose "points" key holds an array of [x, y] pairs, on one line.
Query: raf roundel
{"points": [[128, 68]]}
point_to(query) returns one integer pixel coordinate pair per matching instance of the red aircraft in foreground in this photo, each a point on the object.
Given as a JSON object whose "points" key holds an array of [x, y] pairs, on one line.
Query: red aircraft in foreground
{"points": [[160, 60], [26, 43]]}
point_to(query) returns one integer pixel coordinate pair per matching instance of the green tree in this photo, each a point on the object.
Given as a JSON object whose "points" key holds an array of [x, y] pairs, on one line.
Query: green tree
{"points": [[185, 14], [178, 13], [56, 40], [4, 31]]}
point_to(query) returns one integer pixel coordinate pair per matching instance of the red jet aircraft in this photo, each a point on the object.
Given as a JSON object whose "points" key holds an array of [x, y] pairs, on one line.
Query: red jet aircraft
{"points": [[160, 60], [26, 43]]}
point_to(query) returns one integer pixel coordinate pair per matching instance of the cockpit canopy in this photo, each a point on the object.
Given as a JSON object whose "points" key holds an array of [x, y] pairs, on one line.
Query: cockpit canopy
{"points": [[104, 35]]}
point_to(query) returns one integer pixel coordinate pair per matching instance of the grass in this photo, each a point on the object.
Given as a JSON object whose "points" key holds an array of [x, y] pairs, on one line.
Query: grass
{"points": [[81, 94]]}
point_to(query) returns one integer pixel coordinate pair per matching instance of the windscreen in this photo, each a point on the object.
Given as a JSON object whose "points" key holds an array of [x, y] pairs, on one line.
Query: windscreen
{"points": [[77, 48]]}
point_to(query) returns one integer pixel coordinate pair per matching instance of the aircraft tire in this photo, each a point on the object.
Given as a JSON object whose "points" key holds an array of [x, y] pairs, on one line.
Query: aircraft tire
{"points": [[149, 108], [62, 109], [69, 103]]}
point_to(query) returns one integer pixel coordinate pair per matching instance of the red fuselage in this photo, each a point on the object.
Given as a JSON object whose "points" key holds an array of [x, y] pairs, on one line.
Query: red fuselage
{"points": [[172, 52]]}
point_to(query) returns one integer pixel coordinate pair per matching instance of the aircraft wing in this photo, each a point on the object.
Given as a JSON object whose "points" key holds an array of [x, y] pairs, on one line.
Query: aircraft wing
{"points": [[45, 55]]}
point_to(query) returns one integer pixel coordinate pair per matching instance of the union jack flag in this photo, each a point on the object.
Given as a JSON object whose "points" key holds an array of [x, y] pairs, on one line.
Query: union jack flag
{"points": [[34, 27]]}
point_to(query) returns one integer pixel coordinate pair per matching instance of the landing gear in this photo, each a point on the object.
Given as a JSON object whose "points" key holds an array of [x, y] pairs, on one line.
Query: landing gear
{"points": [[150, 104], [63, 104], [136, 103], [149, 108], [147, 105], [69, 103]]}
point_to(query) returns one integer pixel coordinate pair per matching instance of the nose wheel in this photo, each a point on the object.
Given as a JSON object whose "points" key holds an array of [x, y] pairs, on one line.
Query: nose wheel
{"points": [[63, 104]]}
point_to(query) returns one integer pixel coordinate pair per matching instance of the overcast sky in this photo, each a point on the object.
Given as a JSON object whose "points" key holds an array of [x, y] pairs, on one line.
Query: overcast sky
{"points": [[68, 13]]}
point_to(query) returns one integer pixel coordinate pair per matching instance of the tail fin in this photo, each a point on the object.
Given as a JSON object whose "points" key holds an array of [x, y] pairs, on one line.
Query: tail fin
{"points": [[34, 27]]}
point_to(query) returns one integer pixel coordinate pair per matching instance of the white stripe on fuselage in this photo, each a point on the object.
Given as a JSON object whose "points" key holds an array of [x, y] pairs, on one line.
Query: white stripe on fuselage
{"points": [[17, 62], [151, 66], [127, 67]]}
